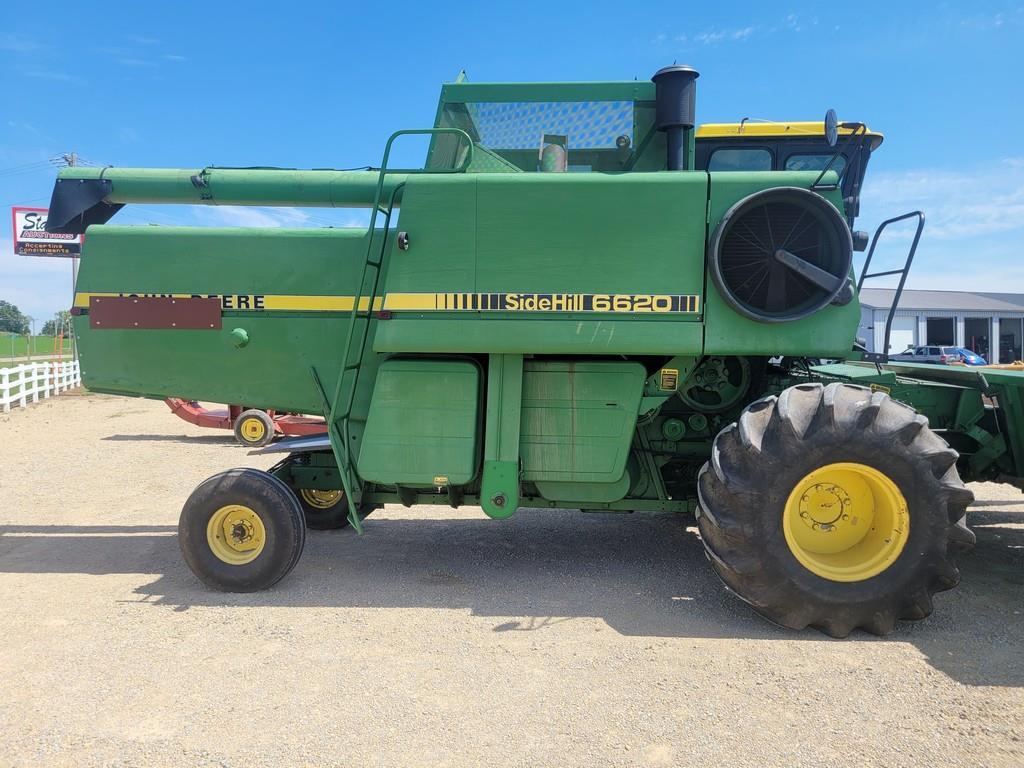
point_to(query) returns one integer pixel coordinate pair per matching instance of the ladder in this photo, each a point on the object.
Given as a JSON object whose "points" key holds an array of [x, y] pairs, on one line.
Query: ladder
{"points": [[883, 356], [338, 410]]}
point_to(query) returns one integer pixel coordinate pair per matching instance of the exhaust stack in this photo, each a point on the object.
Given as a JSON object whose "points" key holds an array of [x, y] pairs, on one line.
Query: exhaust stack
{"points": [[675, 103]]}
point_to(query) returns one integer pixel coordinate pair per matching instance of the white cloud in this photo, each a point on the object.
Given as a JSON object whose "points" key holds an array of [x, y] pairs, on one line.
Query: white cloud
{"points": [[52, 74], [246, 216], [24, 126], [984, 22], [711, 37], [974, 224], [256, 216], [174, 57], [958, 204], [714, 36]]}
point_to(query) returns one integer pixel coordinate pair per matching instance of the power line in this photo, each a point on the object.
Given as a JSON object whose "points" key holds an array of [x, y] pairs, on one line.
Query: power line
{"points": [[26, 202]]}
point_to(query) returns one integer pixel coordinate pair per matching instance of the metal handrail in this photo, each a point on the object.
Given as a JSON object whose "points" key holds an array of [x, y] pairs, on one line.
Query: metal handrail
{"points": [[864, 274]]}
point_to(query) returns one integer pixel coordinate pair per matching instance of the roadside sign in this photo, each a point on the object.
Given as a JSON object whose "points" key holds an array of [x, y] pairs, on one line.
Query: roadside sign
{"points": [[32, 239]]}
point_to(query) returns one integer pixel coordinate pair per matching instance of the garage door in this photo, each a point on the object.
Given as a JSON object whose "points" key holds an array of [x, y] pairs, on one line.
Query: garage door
{"points": [[903, 335]]}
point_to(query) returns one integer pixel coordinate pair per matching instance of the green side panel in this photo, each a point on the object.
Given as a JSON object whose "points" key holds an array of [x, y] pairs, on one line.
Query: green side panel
{"points": [[583, 493], [439, 213], [404, 333], [567, 234], [578, 420], [423, 424], [827, 333], [639, 233], [273, 369]]}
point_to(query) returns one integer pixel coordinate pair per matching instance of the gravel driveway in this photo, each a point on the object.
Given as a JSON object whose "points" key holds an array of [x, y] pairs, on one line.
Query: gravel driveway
{"points": [[444, 638]]}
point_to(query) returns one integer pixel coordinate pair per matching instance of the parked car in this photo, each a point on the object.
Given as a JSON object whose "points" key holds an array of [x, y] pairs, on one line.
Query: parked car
{"points": [[967, 357], [939, 355]]}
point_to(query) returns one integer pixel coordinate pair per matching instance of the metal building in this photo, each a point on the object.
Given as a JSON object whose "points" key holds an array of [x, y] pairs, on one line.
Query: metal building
{"points": [[991, 324]]}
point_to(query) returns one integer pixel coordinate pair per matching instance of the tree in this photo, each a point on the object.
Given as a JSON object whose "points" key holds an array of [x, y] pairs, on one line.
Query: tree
{"points": [[11, 319], [60, 322]]}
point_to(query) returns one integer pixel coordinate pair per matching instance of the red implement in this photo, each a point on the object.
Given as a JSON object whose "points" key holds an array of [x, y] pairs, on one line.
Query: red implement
{"points": [[221, 418]]}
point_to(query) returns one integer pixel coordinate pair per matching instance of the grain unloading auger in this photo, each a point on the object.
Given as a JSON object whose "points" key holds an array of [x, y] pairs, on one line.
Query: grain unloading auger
{"points": [[563, 308]]}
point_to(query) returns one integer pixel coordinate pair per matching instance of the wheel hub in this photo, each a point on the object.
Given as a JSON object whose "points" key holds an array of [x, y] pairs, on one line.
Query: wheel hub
{"points": [[253, 429], [236, 534], [320, 499], [822, 506], [846, 522]]}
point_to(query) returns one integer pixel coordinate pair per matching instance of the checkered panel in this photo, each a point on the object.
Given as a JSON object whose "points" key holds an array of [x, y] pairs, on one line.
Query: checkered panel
{"points": [[519, 125]]}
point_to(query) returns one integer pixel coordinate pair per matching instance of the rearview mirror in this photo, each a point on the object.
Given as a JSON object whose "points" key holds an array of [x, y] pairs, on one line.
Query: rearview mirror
{"points": [[831, 128]]}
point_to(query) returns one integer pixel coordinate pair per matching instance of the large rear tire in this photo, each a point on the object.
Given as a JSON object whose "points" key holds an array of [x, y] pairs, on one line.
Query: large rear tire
{"points": [[833, 507]]}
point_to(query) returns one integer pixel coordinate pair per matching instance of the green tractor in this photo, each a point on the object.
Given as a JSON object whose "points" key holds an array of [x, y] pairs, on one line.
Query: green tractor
{"points": [[579, 301]]}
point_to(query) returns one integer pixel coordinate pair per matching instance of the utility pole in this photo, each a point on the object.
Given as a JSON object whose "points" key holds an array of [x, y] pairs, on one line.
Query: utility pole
{"points": [[31, 334], [71, 159]]}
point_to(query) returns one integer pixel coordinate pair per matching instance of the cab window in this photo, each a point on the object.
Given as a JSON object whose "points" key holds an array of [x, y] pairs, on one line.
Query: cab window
{"points": [[814, 163], [740, 160]]}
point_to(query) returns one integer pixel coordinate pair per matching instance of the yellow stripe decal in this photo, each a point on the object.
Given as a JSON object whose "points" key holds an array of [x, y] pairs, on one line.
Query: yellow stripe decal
{"points": [[629, 303], [687, 304]]}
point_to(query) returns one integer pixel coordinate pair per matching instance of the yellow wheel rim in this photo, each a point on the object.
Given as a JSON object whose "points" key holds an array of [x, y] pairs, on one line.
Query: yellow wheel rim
{"points": [[253, 429], [236, 534], [846, 522], [320, 499]]}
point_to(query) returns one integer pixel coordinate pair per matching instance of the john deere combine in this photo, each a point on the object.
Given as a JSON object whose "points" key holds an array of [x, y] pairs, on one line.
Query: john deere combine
{"points": [[572, 304]]}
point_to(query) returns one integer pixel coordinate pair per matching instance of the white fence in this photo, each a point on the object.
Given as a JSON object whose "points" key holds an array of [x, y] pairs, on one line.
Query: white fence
{"points": [[30, 381]]}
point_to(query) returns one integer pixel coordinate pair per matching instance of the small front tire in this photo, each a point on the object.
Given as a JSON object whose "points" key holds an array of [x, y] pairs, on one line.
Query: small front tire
{"points": [[241, 531]]}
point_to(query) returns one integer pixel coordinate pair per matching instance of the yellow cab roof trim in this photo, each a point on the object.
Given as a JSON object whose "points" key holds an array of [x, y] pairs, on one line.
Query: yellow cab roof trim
{"points": [[775, 130]]}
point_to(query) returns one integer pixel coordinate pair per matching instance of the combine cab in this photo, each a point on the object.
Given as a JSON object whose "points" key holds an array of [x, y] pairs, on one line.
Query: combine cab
{"points": [[572, 304]]}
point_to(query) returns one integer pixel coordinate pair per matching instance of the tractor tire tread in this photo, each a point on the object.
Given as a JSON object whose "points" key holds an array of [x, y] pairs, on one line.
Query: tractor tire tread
{"points": [[815, 423]]}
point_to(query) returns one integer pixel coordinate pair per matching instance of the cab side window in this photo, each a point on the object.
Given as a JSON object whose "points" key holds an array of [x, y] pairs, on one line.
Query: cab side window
{"points": [[747, 159], [814, 163]]}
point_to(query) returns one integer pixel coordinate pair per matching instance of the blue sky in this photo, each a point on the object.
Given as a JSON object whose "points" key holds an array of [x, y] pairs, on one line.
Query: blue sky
{"points": [[323, 84]]}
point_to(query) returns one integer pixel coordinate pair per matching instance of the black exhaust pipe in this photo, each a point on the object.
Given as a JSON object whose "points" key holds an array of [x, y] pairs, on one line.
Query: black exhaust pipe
{"points": [[675, 104]]}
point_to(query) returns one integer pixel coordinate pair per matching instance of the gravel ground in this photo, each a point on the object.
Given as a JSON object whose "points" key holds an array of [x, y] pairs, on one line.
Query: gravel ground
{"points": [[444, 638]]}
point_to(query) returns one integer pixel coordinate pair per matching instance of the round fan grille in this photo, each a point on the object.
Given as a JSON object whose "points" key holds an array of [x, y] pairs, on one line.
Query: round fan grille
{"points": [[781, 254]]}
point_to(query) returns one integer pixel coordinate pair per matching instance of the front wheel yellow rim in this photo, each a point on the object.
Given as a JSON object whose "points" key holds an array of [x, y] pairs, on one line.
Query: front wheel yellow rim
{"points": [[253, 429], [846, 522], [236, 534], [320, 499]]}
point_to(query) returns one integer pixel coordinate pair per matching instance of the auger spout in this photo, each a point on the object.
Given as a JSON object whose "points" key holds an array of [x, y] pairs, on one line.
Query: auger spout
{"points": [[85, 196]]}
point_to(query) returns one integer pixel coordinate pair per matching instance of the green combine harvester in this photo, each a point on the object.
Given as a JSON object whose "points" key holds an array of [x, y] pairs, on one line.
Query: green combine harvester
{"points": [[580, 301]]}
